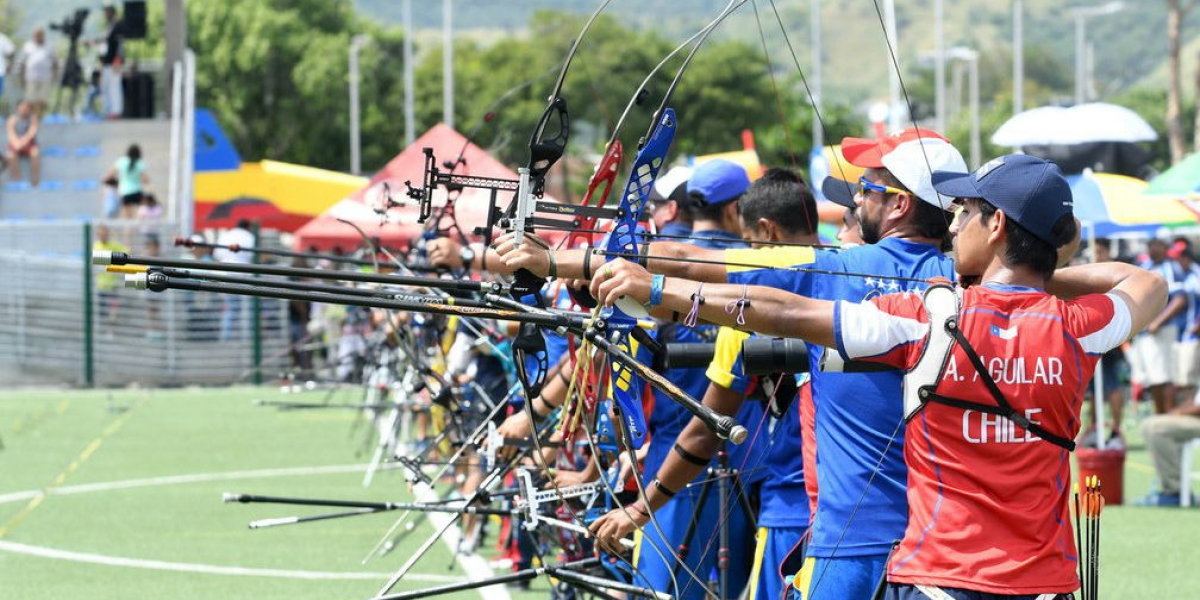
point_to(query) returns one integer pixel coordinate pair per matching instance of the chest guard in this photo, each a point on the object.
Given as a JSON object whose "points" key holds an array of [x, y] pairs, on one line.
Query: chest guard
{"points": [[942, 305]]}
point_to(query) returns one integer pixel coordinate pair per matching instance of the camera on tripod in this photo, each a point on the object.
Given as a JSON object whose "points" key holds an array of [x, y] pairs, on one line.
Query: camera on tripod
{"points": [[72, 26]]}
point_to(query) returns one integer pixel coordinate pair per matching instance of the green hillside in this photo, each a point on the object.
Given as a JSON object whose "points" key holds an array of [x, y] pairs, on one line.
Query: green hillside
{"points": [[1130, 47]]}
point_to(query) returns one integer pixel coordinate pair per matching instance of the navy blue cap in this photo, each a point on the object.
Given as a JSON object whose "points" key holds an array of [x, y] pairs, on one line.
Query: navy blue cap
{"points": [[717, 181], [1030, 191], [839, 191]]}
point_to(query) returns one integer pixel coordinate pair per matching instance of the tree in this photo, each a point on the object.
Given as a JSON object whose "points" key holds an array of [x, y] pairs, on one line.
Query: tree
{"points": [[10, 17], [1176, 12]]}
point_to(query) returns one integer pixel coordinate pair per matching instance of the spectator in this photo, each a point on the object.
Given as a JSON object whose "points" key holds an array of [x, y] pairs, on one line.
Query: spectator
{"points": [[38, 69], [6, 54], [1112, 368], [1187, 367], [112, 199], [95, 92], [110, 61], [232, 305], [149, 216], [108, 284], [130, 173], [1152, 359], [1165, 436], [202, 309], [299, 313], [151, 247], [22, 142]]}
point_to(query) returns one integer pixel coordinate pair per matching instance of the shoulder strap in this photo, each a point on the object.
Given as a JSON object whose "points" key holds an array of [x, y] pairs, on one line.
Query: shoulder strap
{"points": [[1002, 407], [944, 333]]}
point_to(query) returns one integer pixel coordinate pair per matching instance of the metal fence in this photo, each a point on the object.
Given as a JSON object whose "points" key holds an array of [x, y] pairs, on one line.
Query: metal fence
{"points": [[63, 321]]}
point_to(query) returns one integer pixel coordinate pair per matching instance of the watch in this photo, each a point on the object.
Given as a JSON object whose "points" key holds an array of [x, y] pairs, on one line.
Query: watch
{"points": [[467, 254]]}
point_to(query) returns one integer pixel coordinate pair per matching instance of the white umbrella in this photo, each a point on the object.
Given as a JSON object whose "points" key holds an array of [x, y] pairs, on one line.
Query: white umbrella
{"points": [[1080, 124]]}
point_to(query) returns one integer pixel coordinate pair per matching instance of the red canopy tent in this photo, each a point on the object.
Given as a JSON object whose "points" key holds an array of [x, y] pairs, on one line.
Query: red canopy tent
{"points": [[399, 226]]}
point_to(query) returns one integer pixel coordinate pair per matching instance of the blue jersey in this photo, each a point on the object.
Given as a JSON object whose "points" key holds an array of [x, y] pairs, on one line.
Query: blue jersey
{"points": [[674, 230], [668, 419], [1173, 274], [726, 371], [1191, 311], [858, 415], [784, 502]]}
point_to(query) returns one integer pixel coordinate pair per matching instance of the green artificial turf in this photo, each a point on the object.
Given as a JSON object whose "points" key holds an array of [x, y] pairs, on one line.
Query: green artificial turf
{"points": [[59, 440]]}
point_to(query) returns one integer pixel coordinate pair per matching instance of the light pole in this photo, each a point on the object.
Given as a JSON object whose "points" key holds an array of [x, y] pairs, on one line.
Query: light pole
{"points": [[814, 24], [1018, 56], [939, 40], [448, 63], [357, 43], [894, 88], [1081, 14], [409, 92], [971, 57]]}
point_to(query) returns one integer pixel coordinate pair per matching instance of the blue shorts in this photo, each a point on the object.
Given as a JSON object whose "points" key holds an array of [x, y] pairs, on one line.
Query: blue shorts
{"points": [[655, 567], [903, 591], [839, 578], [771, 553]]}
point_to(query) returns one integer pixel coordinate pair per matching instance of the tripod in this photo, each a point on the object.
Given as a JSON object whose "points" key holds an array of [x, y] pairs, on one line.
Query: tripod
{"points": [[72, 77], [726, 478]]}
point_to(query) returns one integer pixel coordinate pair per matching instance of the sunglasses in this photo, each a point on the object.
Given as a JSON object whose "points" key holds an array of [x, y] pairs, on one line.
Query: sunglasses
{"points": [[866, 186]]}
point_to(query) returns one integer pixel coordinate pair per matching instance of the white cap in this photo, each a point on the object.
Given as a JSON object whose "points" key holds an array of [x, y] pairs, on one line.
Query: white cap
{"points": [[667, 182]]}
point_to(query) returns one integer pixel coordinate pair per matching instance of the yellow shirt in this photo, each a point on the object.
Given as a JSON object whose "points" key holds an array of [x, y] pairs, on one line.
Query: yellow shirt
{"points": [[107, 282]]}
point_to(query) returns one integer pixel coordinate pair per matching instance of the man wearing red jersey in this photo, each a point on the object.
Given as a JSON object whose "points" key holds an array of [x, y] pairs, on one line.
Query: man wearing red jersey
{"points": [[988, 453]]}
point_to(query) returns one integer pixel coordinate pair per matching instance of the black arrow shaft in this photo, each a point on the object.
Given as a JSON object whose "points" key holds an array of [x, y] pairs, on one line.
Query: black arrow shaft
{"points": [[121, 258], [161, 281]]}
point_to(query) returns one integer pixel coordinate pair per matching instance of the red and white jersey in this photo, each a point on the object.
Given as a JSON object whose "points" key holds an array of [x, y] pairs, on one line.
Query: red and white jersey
{"points": [[987, 499]]}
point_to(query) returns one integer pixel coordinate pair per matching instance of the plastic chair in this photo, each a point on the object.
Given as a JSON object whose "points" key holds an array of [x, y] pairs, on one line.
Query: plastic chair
{"points": [[1185, 472]]}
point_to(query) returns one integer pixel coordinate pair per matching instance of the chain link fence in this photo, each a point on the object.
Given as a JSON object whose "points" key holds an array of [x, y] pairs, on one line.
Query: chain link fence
{"points": [[63, 321]]}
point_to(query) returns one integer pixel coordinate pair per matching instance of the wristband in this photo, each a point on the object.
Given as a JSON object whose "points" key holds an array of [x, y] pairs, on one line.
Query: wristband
{"points": [[553, 271], [664, 490], [656, 289]]}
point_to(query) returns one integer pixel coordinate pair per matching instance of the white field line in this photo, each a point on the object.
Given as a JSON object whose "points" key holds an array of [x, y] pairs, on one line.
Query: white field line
{"points": [[178, 479], [475, 566], [159, 565]]}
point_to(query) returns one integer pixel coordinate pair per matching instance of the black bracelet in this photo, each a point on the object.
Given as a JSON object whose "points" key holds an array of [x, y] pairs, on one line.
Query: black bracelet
{"points": [[533, 413], [664, 490], [562, 374], [587, 262], [692, 458]]}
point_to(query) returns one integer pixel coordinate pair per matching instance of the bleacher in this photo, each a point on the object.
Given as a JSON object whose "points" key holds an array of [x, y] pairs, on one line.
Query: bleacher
{"points": [[75, 157]]}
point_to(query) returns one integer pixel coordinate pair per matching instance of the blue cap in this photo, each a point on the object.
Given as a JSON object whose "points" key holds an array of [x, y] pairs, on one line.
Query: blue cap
{"points": [[1030, 191], [717, 181]]}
